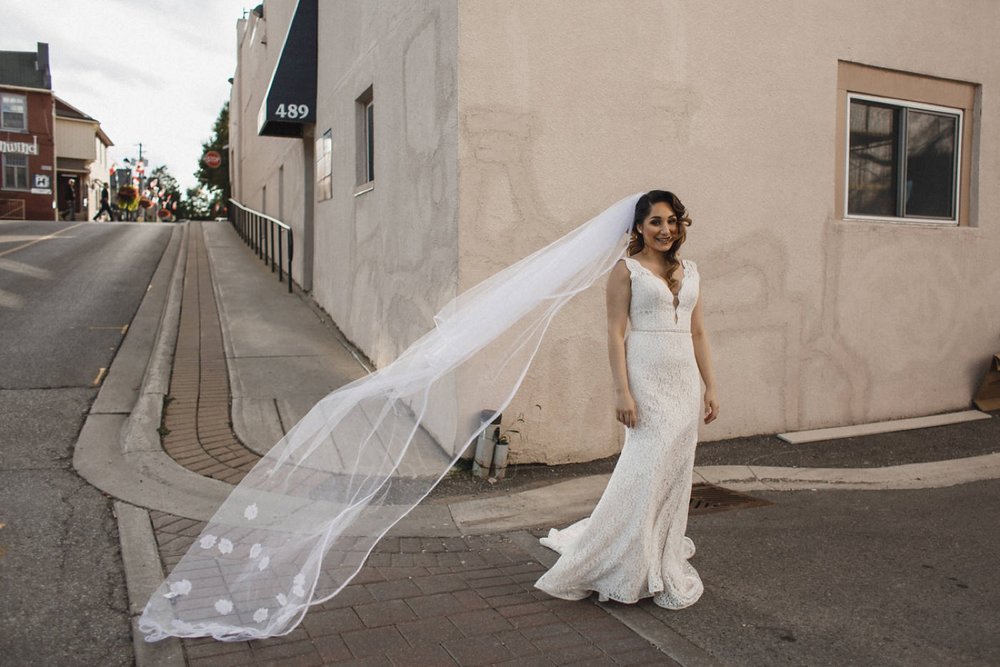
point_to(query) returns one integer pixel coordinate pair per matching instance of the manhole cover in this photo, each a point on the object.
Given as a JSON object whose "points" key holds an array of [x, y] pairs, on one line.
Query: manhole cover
{"points": [[707, 498]]}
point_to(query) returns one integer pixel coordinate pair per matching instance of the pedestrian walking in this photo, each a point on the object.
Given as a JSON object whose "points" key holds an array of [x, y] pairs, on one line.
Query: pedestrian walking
{"points": [[70, 199], [105, 204]]}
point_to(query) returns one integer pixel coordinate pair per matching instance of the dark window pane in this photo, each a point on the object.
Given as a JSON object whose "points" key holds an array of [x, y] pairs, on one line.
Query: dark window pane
{"points": [[930, 164], [15, 171], [871, 174], [371, 140]]}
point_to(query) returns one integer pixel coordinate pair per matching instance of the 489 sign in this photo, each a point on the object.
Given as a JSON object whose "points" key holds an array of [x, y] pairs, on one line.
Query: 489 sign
{"points": [[292, 111]]}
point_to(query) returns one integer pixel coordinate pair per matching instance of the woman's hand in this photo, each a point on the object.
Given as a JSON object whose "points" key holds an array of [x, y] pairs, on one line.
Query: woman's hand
{"points": [[711, 406], [625, 410]]}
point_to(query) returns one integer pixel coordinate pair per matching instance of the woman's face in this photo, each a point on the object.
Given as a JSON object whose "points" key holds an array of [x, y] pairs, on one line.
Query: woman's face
{"points": [[660, 228]]}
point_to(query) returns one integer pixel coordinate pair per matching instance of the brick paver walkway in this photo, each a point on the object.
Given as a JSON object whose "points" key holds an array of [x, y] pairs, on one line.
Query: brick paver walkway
{"points": [[430, 601], [199, 432]]}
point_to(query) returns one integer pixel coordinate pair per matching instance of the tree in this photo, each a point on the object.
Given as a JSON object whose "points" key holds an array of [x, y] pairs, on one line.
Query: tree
{"points": [[216, 180], [198, 203], [169, 191]]}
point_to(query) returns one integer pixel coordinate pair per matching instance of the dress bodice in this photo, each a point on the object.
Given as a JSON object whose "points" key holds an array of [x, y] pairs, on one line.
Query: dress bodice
{"points": [[652, 303]]}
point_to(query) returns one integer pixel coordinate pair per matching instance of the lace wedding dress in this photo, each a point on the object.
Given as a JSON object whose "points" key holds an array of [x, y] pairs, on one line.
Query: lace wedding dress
{"points": [[633, 546]]}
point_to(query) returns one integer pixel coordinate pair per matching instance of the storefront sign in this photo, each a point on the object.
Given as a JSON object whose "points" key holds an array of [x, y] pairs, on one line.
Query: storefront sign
{"points": [[22, 147], [41, 184]]}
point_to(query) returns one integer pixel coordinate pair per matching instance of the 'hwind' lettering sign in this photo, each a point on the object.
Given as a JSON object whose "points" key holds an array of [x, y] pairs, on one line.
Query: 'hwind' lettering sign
{"points": [[19, 146]]}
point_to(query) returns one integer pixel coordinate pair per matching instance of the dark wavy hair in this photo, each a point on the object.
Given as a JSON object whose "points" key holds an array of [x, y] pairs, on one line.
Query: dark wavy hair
{"points": [[642, 209]]}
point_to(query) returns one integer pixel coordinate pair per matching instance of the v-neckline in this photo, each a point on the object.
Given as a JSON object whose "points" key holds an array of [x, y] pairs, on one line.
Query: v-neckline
{"points": [[660, 278]]}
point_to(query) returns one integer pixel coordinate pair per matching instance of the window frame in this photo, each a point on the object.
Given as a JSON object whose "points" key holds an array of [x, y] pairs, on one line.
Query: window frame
{"points": [[956, 183], [27, 172], [365, 141], [324, 158], [911, 87], [24, 114]]}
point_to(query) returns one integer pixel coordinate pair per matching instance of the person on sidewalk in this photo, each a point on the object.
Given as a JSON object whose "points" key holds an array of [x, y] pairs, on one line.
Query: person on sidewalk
{"points": [[105, 204], [70, 200], [633, 545]]}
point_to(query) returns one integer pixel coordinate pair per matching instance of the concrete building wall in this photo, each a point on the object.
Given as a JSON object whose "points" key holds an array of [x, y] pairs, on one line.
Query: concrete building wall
{"points": [[387, 252], [814, 320], [99, 177], [75, 138], [499, 127], [268, 174]]}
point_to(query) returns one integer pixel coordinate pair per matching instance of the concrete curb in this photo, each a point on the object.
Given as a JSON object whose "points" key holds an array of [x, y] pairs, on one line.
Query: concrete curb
{"points": [[573, 499], [119, 449], [927, 475], [258, 432], [143, 574]]}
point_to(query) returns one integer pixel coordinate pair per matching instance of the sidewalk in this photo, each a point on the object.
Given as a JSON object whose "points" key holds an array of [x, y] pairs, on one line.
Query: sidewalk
{"points": [[452, 583]]}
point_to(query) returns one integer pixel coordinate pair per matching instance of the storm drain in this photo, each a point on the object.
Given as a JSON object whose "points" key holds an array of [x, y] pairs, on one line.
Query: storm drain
{"points": [[706, 498]]}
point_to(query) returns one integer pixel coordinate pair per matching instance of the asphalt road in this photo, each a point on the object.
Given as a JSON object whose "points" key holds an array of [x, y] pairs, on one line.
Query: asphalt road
{"points": [[843, 577], [67, 291]]}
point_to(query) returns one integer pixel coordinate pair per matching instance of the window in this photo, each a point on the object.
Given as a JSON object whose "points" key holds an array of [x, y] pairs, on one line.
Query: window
{"points": [[366, 137], [324, 166], [903, 159], [13, 112], [905, 147], [15, 171]]}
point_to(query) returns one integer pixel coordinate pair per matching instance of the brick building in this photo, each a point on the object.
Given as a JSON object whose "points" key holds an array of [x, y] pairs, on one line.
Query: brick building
{"points": [[27, 136]]}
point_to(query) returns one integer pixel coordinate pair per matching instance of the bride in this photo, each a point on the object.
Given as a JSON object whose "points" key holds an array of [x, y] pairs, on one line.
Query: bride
{"points": [[633, 545], [300, 525]]}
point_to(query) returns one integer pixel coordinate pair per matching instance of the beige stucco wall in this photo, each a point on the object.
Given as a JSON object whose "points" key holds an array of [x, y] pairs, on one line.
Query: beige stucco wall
{"points": [[386, 258], [75, 138], [268, 172], [78, 139], [814, 321], [98, 177]]}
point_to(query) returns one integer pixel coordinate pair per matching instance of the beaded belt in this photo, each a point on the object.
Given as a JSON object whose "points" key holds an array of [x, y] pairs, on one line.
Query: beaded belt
{"points": [[683, 331]]}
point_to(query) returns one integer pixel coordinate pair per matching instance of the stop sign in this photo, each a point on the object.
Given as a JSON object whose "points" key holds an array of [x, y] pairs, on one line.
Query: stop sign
{"points": [[212, 159]]}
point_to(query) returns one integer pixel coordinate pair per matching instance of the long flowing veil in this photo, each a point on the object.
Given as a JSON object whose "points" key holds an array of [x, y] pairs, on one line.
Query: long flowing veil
{"points": [[302, 522]]}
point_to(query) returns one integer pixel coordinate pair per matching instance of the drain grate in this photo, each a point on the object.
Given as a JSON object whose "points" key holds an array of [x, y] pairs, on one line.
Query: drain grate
{"points": [[706, 498]]}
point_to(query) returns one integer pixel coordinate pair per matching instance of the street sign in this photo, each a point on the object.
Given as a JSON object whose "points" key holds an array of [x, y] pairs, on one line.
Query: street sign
{"points": [[212, 159]]}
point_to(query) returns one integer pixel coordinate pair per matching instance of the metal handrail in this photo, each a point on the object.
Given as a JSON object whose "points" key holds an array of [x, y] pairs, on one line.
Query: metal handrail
{"points": [[259, 231]]}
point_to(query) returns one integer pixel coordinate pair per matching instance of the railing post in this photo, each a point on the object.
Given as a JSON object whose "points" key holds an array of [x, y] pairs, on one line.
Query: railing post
{"points": [[281, 256], [260, 236], [291, 254], [271, 245]]}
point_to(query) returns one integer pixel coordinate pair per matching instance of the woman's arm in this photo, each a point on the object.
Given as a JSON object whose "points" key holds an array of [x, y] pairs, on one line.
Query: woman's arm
{"points": [[703, 356], [619, 296]]}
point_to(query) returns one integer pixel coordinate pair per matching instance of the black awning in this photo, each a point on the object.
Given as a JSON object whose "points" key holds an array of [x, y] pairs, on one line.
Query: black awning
{"points": [[290, 102]]}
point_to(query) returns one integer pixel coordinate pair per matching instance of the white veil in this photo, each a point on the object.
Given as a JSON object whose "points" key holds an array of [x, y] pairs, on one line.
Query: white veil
{"points": [[302, 522]]}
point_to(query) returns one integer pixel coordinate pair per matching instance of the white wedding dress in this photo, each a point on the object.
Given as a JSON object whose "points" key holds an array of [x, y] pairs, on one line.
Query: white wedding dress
{"points": [[633, 545]]}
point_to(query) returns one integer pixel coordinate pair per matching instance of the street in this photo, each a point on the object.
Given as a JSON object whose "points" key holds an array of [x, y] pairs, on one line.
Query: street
{"points": [[902, 577], [67, 292]]}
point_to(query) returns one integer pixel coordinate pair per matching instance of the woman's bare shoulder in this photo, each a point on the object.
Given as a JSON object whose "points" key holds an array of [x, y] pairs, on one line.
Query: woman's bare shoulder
{"points": [[621, 270]]}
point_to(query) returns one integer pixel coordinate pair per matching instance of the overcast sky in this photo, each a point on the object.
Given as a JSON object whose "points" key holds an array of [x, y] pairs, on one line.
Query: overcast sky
{"points": [[152, 71]]}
